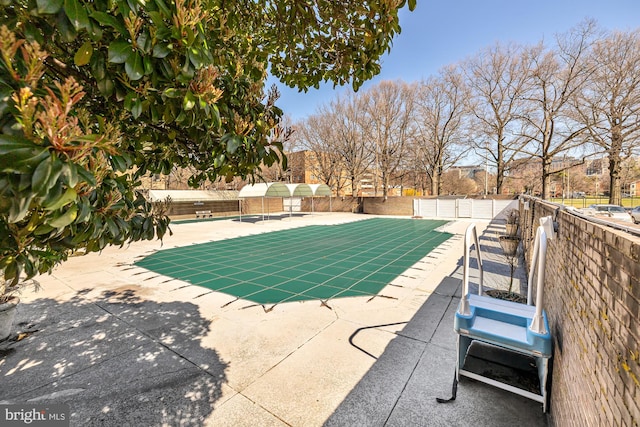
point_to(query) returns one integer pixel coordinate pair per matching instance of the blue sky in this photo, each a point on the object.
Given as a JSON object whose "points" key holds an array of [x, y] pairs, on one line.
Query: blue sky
{"points": [[439, 32]]}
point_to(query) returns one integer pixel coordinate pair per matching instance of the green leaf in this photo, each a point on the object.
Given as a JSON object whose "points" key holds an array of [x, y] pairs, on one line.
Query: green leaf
{"points": [[43, 229], [53, 194], [19, 208], [18, 154], [105, 86], [136, 108], [77, 14], [65, 218], [161, 50], [148, 65], [233, 142], [166, 70], [129, 100], [25, 181], [163, 8], [49, 6], [11, 270], [85, 211], [215, 119], [5, 94], [113, 228], [189, 101], [120, 51], [98, 67], [144, 42], [70, 174], [68, 197], [171, 93], [67, 32], [134, 67], [87, 176], [40, 178], [133, 5], [195, 57], [155, 115], [119, 163], [105, 19], [95, 31], [83, 55]]}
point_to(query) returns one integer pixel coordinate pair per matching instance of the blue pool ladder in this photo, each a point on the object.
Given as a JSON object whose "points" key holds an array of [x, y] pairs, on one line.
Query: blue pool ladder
{"points": [[521, 328]]}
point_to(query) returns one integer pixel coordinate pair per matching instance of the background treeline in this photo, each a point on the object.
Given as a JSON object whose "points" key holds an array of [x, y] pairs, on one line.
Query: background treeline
{"points": [[552, 105]]}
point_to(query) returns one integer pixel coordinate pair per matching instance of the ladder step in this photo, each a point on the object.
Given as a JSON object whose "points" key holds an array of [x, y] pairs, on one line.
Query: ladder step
{"points": [[508, 307], [505, 325], [499, 331]]}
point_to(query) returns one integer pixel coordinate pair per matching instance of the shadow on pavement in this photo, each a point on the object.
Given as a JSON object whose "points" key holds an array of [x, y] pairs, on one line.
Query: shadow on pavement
{"points": [[115, 360], [418, 365]]}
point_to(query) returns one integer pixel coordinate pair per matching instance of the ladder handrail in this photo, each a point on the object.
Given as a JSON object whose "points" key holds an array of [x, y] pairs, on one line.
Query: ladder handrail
{"points": [[538, 262], [471, 231]]}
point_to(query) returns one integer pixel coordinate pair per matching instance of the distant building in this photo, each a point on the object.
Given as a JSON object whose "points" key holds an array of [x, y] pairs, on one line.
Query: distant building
{"points": [[301, 166], [596, 166], [469, 171]]}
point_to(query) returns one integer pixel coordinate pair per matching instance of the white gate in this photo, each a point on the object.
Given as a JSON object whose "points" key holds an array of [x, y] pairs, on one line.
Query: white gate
{"points": [[460, 208], [465, 208], [292, 204]]}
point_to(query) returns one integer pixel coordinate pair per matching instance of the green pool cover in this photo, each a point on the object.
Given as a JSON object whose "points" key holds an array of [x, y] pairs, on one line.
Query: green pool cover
{"points": [[313, 262]]}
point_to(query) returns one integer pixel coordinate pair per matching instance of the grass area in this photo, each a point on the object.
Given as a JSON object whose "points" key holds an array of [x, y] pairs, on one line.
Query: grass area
{"points": [[628, 202]]}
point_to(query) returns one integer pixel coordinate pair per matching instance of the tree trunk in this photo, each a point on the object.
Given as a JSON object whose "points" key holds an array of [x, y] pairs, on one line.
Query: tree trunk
{"points": [[546, 178], [354, 186], [615, 193], [500, 169], [385, 185], [435, 185]]}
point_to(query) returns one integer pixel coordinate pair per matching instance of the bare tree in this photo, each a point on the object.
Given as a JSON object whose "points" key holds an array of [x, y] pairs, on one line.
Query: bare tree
{"points": [[610, 104], [349, 122], [389, 108], [417, 166], [486, 181], [439, 123], [524, 176], [318, 135], [178, 179], [497, 79], [555, 79], [453, 183]]}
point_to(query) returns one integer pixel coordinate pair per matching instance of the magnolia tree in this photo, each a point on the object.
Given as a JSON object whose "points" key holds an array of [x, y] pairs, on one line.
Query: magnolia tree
{"points": [[95, 94]]}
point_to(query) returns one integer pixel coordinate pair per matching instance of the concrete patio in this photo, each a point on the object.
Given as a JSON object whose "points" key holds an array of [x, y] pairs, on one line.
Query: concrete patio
{"points": [[122, 346]]}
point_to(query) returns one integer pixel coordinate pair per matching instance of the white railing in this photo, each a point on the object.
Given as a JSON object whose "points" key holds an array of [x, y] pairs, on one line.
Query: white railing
{"points": [[471, 232], [538, 261], [536, 272]]}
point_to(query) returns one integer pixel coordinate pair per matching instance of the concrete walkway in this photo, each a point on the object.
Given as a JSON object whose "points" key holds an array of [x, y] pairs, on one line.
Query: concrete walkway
{"points": [[125, 347]]}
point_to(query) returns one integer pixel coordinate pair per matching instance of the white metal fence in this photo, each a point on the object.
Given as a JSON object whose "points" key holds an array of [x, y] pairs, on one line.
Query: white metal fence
{"points": [[460, 208]]}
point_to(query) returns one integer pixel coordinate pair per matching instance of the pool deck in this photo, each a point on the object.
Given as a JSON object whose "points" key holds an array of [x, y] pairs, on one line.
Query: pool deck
{"points": [[123, 346]]}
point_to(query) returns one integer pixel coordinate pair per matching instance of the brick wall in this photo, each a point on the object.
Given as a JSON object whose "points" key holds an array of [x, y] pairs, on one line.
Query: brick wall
{"points": [[390, 206], [255, 205], [333, 204], [592, 298], [367, 205], [217, 208]]}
